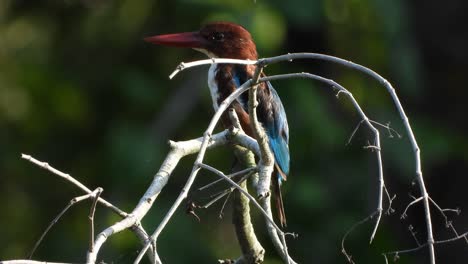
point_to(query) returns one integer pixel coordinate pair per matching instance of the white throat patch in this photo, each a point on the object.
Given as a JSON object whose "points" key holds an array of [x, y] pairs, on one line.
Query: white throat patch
{"points": [[213, 86], [207, 53]]}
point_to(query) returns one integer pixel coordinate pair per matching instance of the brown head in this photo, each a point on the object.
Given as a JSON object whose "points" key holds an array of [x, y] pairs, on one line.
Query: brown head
{"points": [[217, 39]]}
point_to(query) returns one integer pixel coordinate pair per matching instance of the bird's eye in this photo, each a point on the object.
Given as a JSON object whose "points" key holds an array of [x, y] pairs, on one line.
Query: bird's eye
{"points": [[218, 36]]}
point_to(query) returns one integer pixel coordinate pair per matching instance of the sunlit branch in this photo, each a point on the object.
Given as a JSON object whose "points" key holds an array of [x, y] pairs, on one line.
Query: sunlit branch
{"points": [[178, 151]]}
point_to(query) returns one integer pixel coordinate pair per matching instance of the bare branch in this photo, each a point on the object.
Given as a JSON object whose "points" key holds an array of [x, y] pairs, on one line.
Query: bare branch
{"points": [[464, 236], [248, 171], [354, 131], [178, 151], [228, 191], [448, 224], [69, 178], [343, 240], [398, 252], [390, 130], [136, 228], [390, 210], [403, 215], [413, 234], [185, 65], [57, 218], [244, 192], [252, 250]]}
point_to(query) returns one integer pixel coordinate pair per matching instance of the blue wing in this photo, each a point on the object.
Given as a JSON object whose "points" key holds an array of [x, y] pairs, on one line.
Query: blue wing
{"points": [[278, 133], [273, 117]]}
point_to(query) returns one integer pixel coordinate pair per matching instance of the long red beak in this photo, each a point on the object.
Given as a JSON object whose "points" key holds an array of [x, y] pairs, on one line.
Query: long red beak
{"points": [[184, 40]]}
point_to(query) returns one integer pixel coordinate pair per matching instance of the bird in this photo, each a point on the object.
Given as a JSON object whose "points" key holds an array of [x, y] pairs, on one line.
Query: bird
{"points": [[230, 40]]}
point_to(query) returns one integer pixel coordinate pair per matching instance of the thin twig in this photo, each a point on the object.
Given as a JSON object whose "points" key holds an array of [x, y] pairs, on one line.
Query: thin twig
{"points": [[95, 197], [57, 218], [390, 210], [185, 65], [450, 240], [464, 235], [216, 198], [448, 224], [351, 229], [398, 252], [413, 234], [244, 192], [235, 174], [221, 211], [136, 228], [404, 215], [223, 193], [69, 178], [388, 127], [354, 131]]}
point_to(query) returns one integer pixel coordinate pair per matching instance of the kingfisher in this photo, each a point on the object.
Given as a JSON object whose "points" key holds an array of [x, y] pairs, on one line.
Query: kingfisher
{"points": [[229, 40]]}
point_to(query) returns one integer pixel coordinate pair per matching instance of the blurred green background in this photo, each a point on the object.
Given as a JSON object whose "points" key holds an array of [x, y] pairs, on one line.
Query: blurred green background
{"points": [[82, 91]]}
